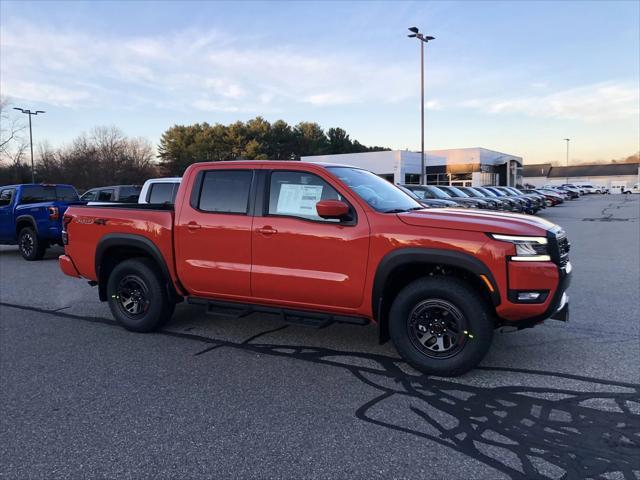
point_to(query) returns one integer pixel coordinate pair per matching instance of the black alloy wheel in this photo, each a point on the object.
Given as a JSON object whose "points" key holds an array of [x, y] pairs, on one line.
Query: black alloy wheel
{"points": [[437, 328]]}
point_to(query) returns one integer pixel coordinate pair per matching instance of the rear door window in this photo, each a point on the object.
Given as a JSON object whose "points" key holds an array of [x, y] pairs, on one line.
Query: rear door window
{"points": [[129, 194], [162, 193], [225, 191], [105, 195], [37, 194]]}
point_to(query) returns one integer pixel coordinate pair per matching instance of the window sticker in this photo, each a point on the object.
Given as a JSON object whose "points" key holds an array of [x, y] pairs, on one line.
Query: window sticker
{"points": [[299, 199]]}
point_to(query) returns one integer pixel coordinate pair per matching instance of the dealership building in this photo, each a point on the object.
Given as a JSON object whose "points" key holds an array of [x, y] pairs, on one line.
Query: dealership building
{"points": [[606, 175], [458, 166]]}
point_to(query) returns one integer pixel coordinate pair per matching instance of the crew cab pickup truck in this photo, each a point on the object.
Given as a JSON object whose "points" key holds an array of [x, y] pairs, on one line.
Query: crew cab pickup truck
{"points": [[31, 216], [322, 243]]}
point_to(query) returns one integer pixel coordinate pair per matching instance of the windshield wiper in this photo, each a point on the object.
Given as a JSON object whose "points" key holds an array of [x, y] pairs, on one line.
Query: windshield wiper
{"points": [[401, 210]]}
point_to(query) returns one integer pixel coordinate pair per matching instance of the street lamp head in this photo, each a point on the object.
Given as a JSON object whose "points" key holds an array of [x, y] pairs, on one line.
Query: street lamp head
{"points": [[414, 29], [18, 108], [40, 111], [413, 35], [427, 38], [567, 139]]}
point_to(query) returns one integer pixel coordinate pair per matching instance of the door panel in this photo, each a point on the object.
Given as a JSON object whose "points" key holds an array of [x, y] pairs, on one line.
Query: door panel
{"points": [[302, 260], [213, 236]]}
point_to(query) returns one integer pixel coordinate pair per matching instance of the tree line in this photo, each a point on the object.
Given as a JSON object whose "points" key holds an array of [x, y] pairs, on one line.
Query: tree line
{"points": [[256, 139]]}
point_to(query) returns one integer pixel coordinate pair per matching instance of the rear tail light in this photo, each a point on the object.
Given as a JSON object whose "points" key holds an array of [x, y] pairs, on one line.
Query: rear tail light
{"points": [[66, 220], [54, 213]]}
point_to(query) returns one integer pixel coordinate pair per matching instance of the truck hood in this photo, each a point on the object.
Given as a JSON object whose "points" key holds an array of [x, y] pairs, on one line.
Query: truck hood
{"points": [[477, 221]]}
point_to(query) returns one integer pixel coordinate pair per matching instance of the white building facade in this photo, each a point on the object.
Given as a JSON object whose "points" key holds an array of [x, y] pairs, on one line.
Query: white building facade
{"points": [[459, 166]]}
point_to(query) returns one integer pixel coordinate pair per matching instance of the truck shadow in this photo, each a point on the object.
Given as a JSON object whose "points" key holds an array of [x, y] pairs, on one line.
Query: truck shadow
{"points": [[527, 424], [577, 427]]}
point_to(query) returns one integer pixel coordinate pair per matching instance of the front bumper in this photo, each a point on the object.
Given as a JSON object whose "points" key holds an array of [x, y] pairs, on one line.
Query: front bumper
{"points": [[562, 313]]}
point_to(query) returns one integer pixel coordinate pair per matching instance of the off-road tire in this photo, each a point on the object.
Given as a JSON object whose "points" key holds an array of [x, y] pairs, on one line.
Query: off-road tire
{"points": [[129, 277], [30, 246], [475, 329]]}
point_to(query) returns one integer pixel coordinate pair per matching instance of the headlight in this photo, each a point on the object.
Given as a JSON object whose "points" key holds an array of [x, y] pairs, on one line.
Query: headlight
{"points": [[528, 249]]}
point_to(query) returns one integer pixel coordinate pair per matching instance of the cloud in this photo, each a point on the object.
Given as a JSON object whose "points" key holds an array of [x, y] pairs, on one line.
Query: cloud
{"points": [[209, 71], [590, 103]]}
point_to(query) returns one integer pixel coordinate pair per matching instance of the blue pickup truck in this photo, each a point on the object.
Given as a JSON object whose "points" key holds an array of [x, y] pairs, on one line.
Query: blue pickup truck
{"points": [[31, 216]]}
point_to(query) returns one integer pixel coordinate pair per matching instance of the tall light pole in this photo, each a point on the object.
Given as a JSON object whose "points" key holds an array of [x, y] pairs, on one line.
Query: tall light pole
{"points": [[423, 39], [30, 113], [567, 140]]}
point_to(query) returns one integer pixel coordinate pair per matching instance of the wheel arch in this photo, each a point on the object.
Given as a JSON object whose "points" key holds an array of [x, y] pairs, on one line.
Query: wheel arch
{"points": [[400, 267], [23, 221], [114, 248]]}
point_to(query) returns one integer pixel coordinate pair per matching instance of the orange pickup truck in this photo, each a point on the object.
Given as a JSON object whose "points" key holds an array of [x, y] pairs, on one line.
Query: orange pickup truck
{"points": [[321, 243]]}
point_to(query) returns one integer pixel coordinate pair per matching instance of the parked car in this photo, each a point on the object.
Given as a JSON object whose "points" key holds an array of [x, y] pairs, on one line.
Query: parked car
{"points": [[494, 202], [113, 194], [321, 243], [551, 198], [527, 204], [538, 200], [562, 193], [580, 189], [432, 192], [588, 188], [571, 193], [428, 202], [459, 196], [31, 216], [634, 189], [513, 204], [159, 190]]}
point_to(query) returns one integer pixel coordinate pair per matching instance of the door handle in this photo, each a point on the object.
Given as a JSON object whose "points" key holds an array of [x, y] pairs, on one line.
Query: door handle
{"points": [[192, 226], [267, 230]]}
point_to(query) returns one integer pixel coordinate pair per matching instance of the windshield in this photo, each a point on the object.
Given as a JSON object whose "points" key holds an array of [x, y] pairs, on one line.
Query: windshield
{"points": [[473, 192], [437, 193], [486, 191], [455, 192], [377, 192]]}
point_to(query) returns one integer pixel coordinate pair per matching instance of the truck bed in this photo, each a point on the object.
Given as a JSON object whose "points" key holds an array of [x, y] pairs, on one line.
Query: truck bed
{"points": [[93, 229]]}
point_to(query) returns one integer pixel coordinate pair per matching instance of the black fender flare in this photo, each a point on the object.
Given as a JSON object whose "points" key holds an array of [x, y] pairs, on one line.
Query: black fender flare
{"points": [[405, 256], [28, 218], [114, 240]]}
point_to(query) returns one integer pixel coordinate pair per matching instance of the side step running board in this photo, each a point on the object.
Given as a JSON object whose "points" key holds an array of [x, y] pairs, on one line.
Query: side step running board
{"points": [[297, 317]]}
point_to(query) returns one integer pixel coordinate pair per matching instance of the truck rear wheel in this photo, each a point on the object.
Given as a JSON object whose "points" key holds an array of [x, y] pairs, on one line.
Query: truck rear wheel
{"points": [[137, 297], [30, 246], [441, 326]]}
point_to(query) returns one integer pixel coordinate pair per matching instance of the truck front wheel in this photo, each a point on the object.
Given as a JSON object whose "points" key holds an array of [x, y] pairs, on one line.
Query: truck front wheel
{"points": [[137, 297], [30, 246], [441, 325]]}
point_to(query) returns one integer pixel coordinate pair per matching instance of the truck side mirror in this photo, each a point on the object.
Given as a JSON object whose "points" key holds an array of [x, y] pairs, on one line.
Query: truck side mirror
{"points": [[332, 209]]}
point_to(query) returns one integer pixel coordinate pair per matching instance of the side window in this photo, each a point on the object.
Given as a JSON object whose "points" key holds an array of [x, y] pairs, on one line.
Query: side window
{"points": [[89, 196], [129, 194], [295, 194], [6, 196], [225, 191], [37, 194], [105, 195], [162, 193]]}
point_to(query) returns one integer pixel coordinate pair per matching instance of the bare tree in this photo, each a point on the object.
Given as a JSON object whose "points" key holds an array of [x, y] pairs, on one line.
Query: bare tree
{"points": [[10, 129]]}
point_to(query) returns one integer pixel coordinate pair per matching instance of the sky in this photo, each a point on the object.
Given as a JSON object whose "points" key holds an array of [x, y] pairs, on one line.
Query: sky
{"points": [[516, 77]]}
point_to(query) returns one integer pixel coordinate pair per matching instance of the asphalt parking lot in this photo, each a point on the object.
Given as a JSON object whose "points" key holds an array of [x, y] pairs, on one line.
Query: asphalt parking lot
{"points": [[217, 397]]}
